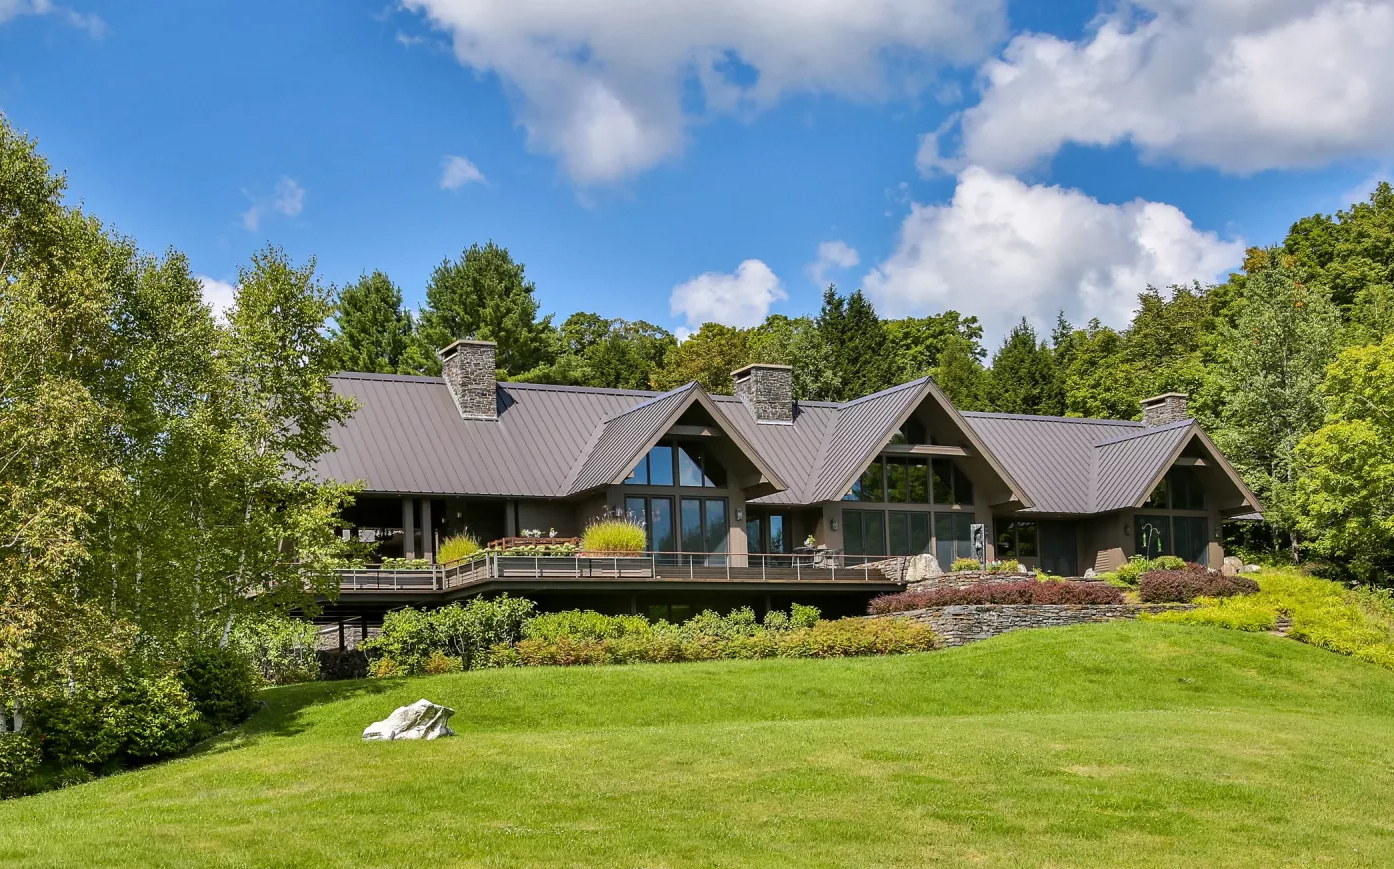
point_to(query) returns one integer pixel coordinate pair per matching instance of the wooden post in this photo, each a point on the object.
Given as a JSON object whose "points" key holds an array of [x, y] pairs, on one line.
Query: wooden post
{"points": [[408, 528], [428, 551]]}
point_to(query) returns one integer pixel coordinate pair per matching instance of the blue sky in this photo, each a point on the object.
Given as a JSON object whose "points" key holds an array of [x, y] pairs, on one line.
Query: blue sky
{"points": [[685, 161]]}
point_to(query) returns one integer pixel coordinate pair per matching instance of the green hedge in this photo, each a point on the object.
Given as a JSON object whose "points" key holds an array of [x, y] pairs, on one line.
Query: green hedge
{"points": [[825, 639]]}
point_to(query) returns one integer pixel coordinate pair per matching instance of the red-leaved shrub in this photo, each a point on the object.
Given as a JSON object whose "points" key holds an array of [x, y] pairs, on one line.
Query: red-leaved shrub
{"points": [[1184, 586], [1026, 591]]}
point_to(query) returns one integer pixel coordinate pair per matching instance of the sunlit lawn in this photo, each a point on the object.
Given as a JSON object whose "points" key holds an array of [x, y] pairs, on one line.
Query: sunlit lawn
{"points": [[1108, 745]]}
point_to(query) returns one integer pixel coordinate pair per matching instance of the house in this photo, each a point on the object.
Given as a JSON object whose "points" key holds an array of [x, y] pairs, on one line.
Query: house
{"points": [[729, 488]]}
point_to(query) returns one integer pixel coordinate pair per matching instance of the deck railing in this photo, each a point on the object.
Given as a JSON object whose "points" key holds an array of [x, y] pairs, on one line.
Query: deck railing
{"points": [[693, 566]]}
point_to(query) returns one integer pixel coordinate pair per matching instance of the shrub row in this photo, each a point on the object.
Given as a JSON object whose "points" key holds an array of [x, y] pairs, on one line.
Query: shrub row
{"points": [[411, 638], [1023, 592], [142, 713], [825, 639], [1184, 586]]}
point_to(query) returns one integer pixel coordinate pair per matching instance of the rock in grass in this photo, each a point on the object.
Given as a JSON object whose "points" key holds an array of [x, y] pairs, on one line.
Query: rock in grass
{"points": [[421, 720]]}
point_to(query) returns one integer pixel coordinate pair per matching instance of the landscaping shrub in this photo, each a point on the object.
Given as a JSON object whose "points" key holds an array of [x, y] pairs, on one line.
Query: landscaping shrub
{"points": [[1011, 565], [1026, 591], [582, 625], [439, 663], [155, 718], [826, 639], [1184, 586], [465, 632], [19, 761], [1324, 614], [221, 684], [281, 648], [458, 548], [962, 564], [618, 536], [801, 616]]}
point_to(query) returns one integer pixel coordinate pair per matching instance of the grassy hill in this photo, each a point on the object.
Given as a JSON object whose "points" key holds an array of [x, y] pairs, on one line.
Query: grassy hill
{"points": [[1107, 745]]}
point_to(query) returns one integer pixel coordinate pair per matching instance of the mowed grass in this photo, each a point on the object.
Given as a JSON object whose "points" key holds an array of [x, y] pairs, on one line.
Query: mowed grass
{"points": [[1107, 745]]}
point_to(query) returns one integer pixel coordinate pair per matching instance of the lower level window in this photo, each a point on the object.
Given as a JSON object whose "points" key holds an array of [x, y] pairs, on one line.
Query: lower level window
{"points": [[1017, 540], [1184, 536]]}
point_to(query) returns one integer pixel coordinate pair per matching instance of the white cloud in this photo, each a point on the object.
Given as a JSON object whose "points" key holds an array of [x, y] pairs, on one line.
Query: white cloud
{"points": [[1242, 85], [739, 299], [290, 197], [91, 22], [1002, 249], [218, 295], [611, 86], [831, 255], [456, 172]]}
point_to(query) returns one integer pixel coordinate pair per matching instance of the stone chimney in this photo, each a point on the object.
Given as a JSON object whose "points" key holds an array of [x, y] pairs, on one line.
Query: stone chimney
{"points": [[468, 369], [768, 390], [1164, 409]]}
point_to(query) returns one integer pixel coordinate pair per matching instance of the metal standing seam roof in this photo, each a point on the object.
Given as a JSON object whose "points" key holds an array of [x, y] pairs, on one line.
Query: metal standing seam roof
{"points": [[1052, 457], [862, 426], [407, 437], [1126, 466], [619, 440]]}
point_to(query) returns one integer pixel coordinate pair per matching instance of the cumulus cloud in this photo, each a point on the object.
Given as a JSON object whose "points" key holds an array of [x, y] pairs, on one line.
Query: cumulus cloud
{"points": [[218, 295], [91, 22], [611, 86], [456, 172], [831, 255], [1242, 85], [288, 199], [739, 299], [1003, 249]]}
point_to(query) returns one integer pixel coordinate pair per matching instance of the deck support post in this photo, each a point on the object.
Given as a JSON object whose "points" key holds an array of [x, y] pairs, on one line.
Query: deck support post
{"points": [[408, 527]]}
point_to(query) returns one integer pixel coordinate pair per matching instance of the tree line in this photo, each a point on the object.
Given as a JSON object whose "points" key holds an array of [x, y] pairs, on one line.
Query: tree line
{"points": [[1286, 363]]}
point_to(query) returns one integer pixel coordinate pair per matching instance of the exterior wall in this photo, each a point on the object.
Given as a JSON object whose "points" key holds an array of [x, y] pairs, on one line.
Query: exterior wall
{"points": [[1104, 549], [543, 515]]}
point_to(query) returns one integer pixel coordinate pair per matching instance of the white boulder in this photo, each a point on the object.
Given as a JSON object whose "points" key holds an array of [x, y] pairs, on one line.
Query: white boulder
{"points": [[421, 720], [922, 567], [1231, 565], [1250, 568]]}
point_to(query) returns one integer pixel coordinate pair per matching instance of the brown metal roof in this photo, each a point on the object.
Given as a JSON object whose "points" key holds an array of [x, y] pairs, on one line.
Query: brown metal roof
{"points": [[1127, 466], [551, 441], [1052, 457]]}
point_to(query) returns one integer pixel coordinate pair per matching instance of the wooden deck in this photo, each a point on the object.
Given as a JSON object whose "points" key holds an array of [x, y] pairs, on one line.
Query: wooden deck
{"points": [[663, 569]]}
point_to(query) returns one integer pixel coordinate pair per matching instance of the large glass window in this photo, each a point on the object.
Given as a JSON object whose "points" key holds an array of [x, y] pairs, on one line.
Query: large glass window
{"points": [[919, 481], [693, 538], [908, 533], [654, 469], [1017, 539], [690, 464], [953, 533], [656, 517], [897, 481], [864, 532], [716, 524], [1185, 536], [1180, 489], [871, 486]]}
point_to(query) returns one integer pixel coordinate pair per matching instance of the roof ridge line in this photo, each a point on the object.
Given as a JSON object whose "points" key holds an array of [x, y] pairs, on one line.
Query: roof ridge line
{"points": [[1155, 429], [1085, 420]]}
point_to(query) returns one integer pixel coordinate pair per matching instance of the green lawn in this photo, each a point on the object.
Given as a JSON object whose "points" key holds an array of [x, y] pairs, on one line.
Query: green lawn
{"points": [[1125, 744]]}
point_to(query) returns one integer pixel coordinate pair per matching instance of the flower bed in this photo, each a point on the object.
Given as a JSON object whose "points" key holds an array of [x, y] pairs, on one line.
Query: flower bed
{"points": [[1023, 592], [1184, 586]]}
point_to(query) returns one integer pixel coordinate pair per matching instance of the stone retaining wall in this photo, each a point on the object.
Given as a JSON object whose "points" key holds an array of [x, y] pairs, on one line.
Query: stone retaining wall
{"points": [[966, 623], [965, 579]]}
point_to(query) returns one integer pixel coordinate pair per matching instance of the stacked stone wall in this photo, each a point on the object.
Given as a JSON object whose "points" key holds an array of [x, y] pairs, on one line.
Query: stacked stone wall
{"points": [[468, 369], [966, 623]]}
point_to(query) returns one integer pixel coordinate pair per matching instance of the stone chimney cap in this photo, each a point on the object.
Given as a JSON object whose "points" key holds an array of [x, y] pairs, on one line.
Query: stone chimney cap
{"points": [[1164, 409], [1157, 399], [754, 365], [455, 345]]}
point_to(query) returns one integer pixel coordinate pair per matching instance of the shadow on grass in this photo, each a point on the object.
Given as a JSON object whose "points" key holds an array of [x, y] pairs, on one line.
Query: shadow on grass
{"points": [[283, 712]]}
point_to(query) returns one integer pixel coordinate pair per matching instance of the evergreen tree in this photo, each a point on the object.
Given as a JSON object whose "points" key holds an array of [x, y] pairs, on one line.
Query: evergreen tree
{"points": [[483, 295], [858, 345], [372, 330], [1024, 378]]}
